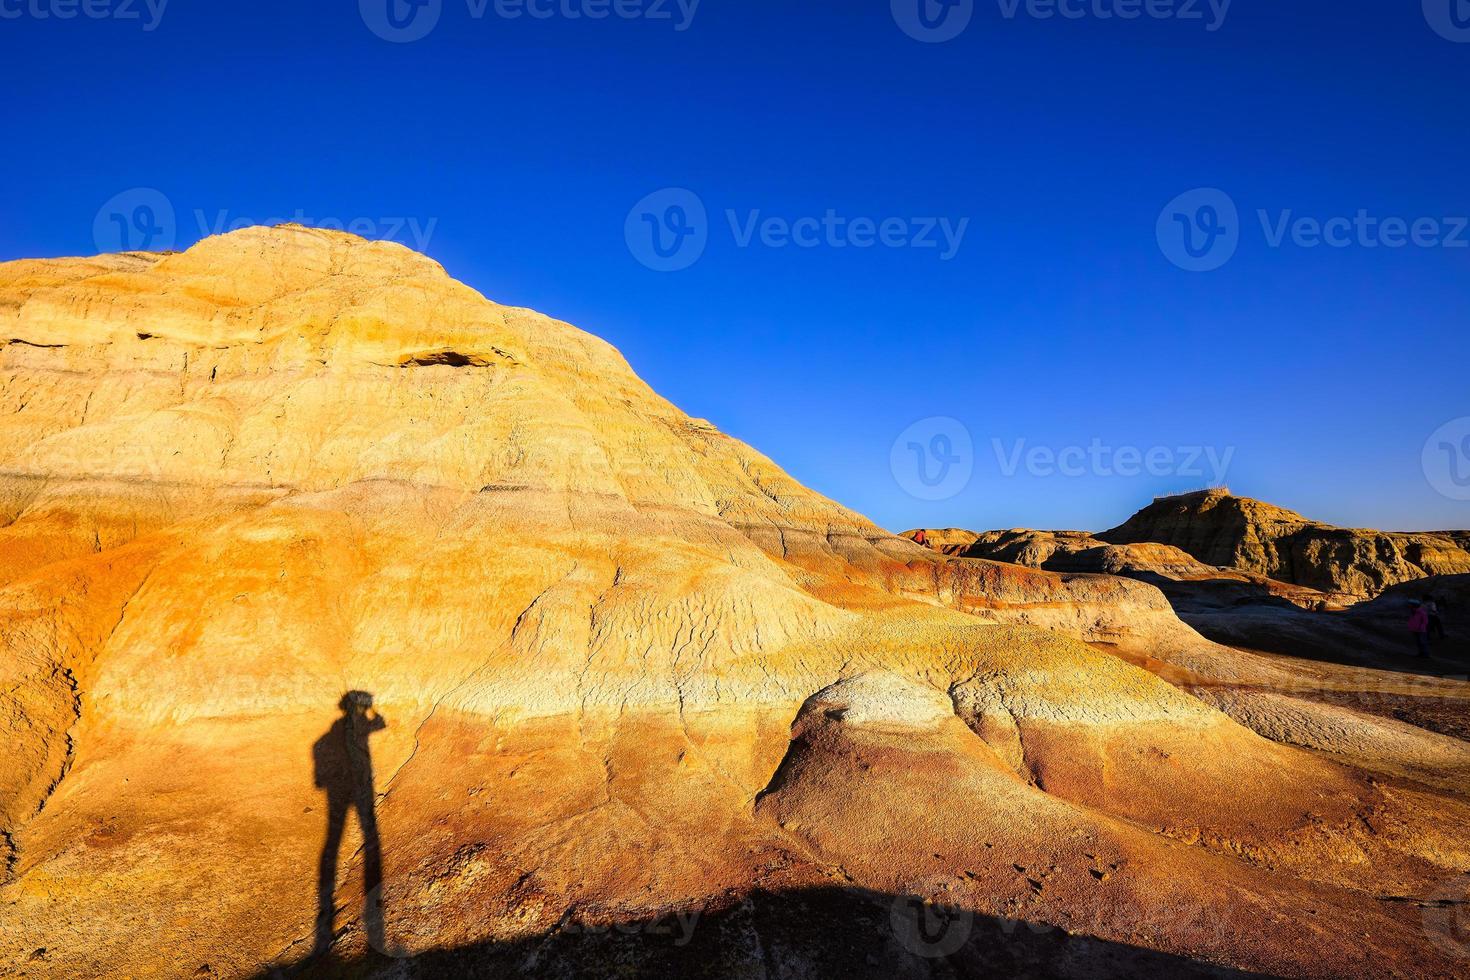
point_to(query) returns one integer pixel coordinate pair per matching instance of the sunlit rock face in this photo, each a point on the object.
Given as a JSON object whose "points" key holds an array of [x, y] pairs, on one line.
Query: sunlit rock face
{"points": [[1221, 529], [353, 624]]}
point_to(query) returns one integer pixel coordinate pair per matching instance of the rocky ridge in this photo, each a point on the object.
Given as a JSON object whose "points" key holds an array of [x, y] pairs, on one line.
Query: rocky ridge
{"points": [[1221, 529]]}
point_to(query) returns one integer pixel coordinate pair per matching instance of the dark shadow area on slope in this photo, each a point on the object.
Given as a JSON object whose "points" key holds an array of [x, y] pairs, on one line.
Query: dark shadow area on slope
{"points": [[1270, 616], [342, 766], [823, 932], [1370, 634], [1373, 635]]}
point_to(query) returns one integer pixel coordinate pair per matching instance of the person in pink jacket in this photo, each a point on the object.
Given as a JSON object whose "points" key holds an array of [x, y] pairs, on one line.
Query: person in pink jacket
{"points": [[1419, 626]]}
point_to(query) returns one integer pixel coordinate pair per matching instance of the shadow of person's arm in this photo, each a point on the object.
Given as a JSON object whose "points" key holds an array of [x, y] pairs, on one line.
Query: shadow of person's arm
{"points": [[376, 722]]}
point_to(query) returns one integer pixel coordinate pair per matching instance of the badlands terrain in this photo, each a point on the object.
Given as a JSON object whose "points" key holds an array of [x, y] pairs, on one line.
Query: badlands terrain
{"points": [[1247, 573], [641, 704]]}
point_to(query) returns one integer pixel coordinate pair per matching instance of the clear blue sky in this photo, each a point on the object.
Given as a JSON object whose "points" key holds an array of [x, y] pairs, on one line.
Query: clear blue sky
{"points": [[1059, 320]]}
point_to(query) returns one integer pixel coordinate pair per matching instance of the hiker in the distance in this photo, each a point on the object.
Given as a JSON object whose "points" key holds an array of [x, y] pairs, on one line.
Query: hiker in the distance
{"points": [[1419, 626], [1436, 625], [922, 538]]}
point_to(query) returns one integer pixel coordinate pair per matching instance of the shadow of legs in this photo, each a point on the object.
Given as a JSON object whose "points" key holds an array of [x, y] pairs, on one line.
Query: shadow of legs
{"points": [[326, 880]]}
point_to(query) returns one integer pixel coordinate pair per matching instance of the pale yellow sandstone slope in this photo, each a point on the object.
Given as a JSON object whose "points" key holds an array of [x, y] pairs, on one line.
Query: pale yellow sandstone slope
{"points": [[627, 665]]}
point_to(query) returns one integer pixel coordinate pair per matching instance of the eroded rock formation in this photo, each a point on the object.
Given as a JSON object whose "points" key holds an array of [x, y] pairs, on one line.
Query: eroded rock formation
{"points": [[624, 672], [1237, 532]]}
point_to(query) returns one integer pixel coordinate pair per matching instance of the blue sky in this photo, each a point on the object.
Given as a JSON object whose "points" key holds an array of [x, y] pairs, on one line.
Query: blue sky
{"points": [[515, 149]]}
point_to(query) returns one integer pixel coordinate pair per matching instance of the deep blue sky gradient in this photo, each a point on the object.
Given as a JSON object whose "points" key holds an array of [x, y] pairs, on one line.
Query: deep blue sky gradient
{"points": [[1059, 321]]}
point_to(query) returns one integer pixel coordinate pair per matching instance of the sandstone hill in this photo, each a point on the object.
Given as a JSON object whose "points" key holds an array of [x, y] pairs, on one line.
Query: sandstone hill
{"points": [[641, 703], [1237, 532]]}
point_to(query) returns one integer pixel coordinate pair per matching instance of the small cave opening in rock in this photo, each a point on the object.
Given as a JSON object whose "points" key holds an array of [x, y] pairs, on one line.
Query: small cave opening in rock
{"points": [[447, 358]]}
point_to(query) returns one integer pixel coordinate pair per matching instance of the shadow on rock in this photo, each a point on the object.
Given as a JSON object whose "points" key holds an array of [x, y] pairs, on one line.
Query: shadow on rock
{"points": [[342, 762], [824, 932]]}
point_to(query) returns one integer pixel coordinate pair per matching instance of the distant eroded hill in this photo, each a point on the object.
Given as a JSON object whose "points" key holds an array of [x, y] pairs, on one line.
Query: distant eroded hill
{"points": [[1221, 529]]}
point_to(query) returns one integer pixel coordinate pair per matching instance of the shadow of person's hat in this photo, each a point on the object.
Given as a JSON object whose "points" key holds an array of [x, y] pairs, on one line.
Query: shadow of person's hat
{"points": [[355, 699]]}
